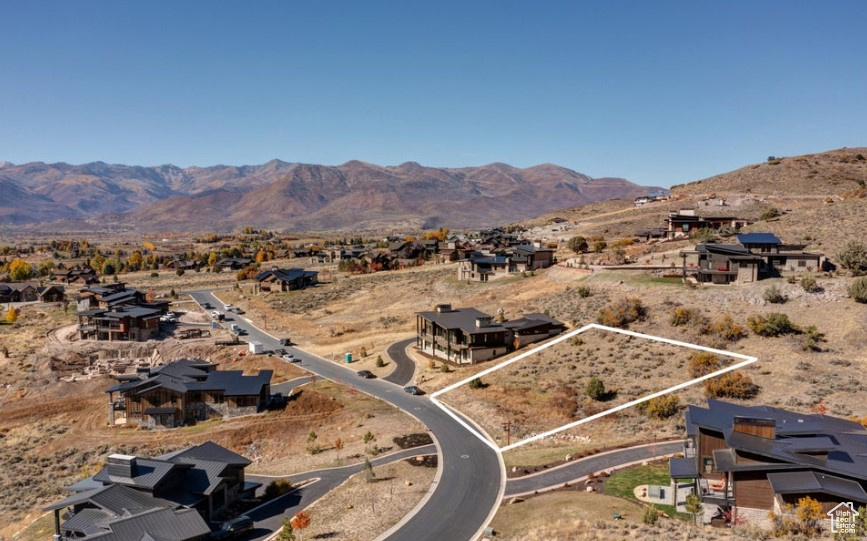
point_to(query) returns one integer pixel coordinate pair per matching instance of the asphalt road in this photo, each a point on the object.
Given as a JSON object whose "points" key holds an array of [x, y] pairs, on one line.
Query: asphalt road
{"points": [[471, 474], [269, 517], [404, 371], [288, 386], [571, 471]]}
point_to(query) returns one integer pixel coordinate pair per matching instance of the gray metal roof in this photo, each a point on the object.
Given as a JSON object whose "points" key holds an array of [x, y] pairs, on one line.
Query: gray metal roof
{"points": [[758, 238], [808, 481], [209, 451], [287, 275], [115, 498], [463, 319], [147, 474], [158, 524], [185, 375], [844, 441], [682, 468]]}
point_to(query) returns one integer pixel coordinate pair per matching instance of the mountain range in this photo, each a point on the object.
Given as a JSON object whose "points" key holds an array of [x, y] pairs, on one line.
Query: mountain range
{"points": [[277, 194]]}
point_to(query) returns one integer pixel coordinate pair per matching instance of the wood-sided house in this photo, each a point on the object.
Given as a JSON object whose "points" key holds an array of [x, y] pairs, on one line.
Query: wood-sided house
{"points": [[286, 279], [468, 335], [171, 497], [28, 292], [75, 275], [749, 460], [184, 392]]}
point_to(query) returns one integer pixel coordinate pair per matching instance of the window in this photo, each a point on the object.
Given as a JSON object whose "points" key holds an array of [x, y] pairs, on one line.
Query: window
{"points": [[802, 262], [743, 264], [708, 464]]}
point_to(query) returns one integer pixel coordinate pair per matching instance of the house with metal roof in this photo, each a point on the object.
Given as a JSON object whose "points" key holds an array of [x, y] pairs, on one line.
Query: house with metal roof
{"points": [[468, 335], [286, 279], [170, 497], [502, 262], [748, 460], [185, 392]]}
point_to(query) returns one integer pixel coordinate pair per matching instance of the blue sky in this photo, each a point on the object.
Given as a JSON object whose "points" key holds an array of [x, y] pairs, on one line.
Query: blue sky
{"points": [[658, 92]]}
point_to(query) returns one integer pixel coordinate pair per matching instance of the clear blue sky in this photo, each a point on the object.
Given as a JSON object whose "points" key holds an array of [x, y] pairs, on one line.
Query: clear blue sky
{"points": [[658, 92]]}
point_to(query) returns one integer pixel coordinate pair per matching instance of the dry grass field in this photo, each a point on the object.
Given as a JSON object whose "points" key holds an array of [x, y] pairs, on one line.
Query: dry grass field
{"points": [[359, 510], [550, 388]]}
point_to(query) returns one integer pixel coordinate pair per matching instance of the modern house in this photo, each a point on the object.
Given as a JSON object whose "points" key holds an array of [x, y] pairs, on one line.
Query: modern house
{"points": [[124, 323], [749, 460], [286, 279], [756, 255], [234, 263], [468, 336], [484, 267], [778, 256], [171, 497], [75, 275], [184, 392], [685, 222], [721, 264]]}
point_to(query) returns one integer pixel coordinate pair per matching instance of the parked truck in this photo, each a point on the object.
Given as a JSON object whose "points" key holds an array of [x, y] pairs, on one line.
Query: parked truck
{"points": [[256, 348], [234, 328]]}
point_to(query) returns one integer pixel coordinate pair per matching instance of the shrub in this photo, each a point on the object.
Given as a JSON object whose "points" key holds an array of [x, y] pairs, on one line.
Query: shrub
{"points": [[12, 317], [702, 363], [774, 324], [731, 385], [622, 313], [770, 214], [858, 289], [853, 257], [727, 329], [809, 284], [379, 362], [599, 246], [578, 244], [595, 389], [179, 272], [661, 407], [812, 338], [277, 488], [706, 235], [774, 295], [155, 275], [476, 383], [682, 315], [584, 292], [650, 515]]}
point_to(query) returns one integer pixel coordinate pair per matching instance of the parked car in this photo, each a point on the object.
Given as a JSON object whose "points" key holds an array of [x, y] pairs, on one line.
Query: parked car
{"points": [[237, 310], [207, 305], [288, 357], [285, 342], [366, 374], [412, 389], [276, 401], [232, 529]]}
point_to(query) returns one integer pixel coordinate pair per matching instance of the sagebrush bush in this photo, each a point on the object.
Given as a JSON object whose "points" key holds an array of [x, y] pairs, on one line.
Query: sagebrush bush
{"points": [[774, 324], [731, 385], [682, 315], [774, 295], [584, 292], [809, 284], [661, 407], [853, 257], [595, 388], [858, 289], [702, 363], [622, 313]]}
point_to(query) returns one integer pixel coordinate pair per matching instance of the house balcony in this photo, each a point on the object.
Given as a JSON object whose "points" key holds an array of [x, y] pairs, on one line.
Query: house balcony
{"points": [[715, 490]]}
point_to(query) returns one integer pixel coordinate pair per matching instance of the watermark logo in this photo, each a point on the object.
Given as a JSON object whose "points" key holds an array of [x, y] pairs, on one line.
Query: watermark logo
{"points": [[843, 518]]}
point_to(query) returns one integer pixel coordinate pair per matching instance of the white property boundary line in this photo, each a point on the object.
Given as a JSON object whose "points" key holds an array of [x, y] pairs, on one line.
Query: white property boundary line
{"points": [[746, 360]]}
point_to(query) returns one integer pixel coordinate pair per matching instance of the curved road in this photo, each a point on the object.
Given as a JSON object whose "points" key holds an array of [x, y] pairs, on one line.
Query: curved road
{"points": [[471, 475], [571, 471], [269, 517], [404, 372]]}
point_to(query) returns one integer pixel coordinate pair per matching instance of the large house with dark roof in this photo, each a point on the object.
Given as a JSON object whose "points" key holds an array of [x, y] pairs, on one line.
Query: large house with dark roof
{"points": [[749, 460], [115, 312], [29, 292], [185, 392], [286, 279], [484, 267], [468, 335], [756, 255], [171, 497]]}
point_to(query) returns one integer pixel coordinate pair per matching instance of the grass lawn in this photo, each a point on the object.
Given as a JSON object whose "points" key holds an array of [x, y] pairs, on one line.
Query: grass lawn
{"points": [[623, 484]]}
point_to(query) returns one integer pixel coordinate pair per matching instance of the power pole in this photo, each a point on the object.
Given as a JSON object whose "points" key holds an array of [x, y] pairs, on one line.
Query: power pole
{"points": [[507, 426]]}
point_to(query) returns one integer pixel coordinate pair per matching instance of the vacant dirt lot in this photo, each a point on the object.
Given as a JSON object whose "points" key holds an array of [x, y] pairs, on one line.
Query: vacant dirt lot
{"points": [[360, 510]]}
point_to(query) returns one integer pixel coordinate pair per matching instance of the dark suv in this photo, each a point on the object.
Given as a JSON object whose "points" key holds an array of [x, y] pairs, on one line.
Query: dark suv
{"points": [[231, 529]]}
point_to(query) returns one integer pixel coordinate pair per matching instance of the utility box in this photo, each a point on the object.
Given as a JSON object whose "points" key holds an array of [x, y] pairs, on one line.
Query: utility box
{"points": [[256, 348]]}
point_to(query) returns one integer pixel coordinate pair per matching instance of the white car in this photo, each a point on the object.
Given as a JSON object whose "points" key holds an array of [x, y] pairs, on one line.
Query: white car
{"points": [[288, 357]]}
